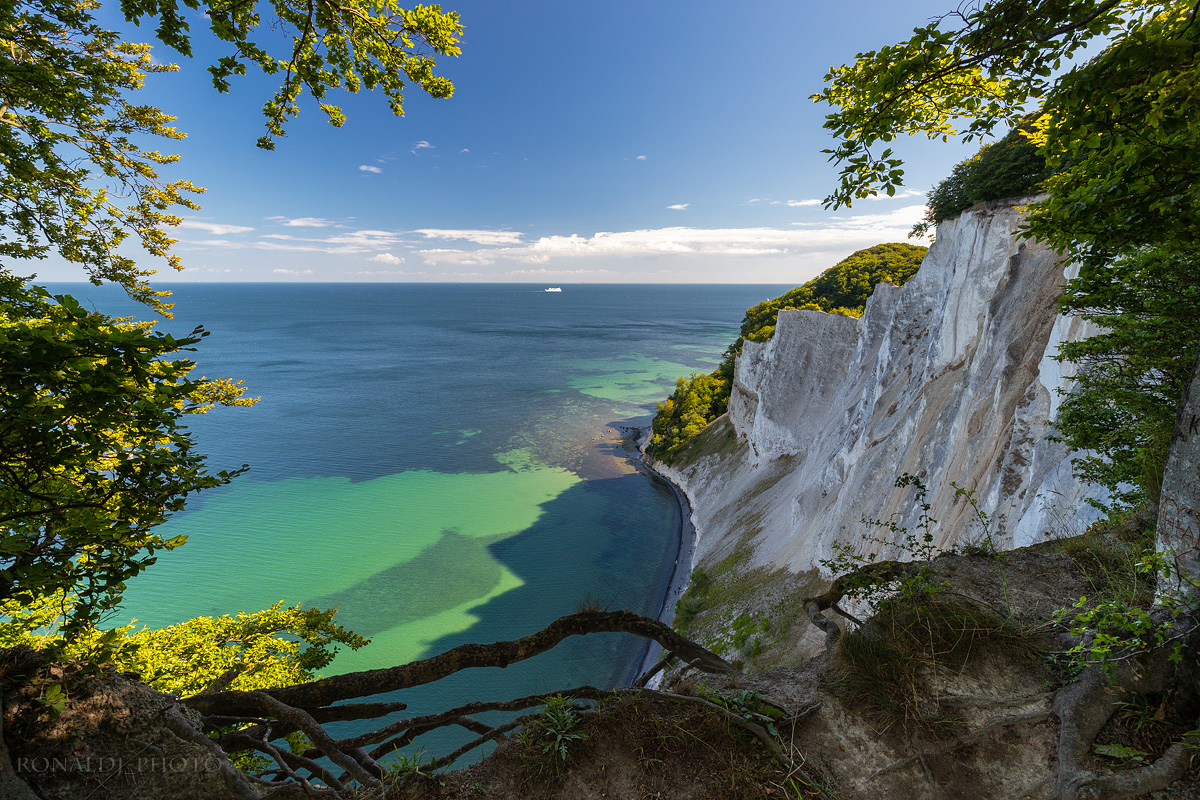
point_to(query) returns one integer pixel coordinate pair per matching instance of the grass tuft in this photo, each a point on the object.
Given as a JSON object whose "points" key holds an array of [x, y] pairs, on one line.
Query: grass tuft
{"points": [[882, 666]]}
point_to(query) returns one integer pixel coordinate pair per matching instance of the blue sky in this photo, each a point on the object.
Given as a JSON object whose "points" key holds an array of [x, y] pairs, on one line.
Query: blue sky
{"points": [[618, 142]]}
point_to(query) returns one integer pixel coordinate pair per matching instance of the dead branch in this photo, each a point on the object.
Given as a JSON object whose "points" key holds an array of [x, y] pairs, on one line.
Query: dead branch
{"points": [[300, 719], [408, 729], [880, 572], [658, 667], [236, 781]]}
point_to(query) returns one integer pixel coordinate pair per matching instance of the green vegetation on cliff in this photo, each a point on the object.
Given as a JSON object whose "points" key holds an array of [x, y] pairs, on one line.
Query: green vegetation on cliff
{"points": [[1010, 167], [841, 289]]}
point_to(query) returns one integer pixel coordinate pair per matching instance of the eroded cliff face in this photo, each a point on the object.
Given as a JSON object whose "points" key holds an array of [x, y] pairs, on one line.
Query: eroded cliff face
{"points": [[950, 377]]}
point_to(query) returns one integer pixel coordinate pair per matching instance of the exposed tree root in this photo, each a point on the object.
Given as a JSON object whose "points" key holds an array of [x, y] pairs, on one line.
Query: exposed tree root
{"points": [[265, 716], [1084, 708], [880, 572], [323, 693]]}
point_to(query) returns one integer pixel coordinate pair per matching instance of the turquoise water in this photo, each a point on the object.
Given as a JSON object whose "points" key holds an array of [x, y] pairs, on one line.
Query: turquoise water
{"points": [[438, 462]]}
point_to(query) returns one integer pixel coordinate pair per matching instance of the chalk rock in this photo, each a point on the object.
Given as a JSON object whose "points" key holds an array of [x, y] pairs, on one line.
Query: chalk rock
{"points": [[951, 378]]}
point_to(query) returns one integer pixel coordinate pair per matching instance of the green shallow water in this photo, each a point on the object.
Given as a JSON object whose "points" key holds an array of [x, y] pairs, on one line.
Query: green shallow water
{"points": [[400, 555]]}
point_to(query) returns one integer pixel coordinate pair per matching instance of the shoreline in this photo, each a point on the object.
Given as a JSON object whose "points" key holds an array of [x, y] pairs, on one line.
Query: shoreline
{"points": [[685, 548]]}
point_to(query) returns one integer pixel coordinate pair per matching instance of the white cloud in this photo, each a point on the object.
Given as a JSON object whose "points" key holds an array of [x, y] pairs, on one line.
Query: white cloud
{"points": [[421, 145], [801, 239], [369, 168], [640, 158], [459, 257], [214, 228], [292, 272], [305, 222], [453, 254], [679, 206], [907, 193], [365, 238], [897, 219], [306, 248], [753, 200], [801, 203], [474, 236], [556, 273], [464, 150]]}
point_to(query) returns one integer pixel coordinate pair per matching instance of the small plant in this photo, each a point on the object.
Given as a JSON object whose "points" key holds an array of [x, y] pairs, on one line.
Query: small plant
{"points": [[559, 721], [1120, 751], [590, 601], [751, 706], [404, 765], [54, 699], [915, 545], [1118, 627], [984, 545]]}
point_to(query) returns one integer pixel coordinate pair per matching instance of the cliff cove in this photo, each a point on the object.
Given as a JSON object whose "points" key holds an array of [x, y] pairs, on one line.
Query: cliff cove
{"points": [[441, 463]]}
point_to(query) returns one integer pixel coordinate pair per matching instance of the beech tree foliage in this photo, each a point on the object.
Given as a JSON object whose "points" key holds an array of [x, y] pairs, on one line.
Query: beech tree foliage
{"points": [[94, 452], [242, 652], [1119, 127], [94, 449], [79, 176]]}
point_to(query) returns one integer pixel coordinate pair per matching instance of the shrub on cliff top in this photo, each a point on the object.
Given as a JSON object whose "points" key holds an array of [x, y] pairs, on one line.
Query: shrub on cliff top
{"points": [[1010, 167]]}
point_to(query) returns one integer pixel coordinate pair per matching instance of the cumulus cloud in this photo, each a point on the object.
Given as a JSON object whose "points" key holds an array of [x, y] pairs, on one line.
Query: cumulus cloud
{"points": [[907, 193], [464, 150], [799, 203], [474, 236], [641, 158], [292, 272], [830, 234], [679, 206], [369, 168], [459, 257], [304, 222], [421, 145], [215, 228], [450, 252]]}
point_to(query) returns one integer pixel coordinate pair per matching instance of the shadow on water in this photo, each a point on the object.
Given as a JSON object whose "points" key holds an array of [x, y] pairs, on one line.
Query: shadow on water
{"points": [[454, 570], [609, 540]]}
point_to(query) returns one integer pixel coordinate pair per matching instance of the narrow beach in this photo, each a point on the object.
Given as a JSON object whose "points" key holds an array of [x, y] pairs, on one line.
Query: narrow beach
{"points": [[678, 580]]}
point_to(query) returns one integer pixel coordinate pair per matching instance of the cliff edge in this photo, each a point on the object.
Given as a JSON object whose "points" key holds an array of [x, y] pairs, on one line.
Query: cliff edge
{"points": [[951, 378]]}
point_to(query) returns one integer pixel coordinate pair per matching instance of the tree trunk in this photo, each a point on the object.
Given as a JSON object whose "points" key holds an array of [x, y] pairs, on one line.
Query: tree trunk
{"points": [[1179, 507]]}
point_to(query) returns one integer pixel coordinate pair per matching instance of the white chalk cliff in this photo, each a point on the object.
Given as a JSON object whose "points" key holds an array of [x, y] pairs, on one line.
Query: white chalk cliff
{"points": [[950, 377]]}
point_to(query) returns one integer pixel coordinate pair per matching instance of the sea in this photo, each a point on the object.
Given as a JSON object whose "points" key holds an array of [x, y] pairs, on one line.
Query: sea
{"points": [[441, 462]]}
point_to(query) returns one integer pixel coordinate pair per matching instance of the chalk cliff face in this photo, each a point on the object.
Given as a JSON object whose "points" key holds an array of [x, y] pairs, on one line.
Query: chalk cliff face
{"points": [[950, 377]]}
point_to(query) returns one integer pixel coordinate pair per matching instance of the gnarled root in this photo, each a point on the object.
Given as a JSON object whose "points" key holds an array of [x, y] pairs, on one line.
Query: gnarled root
{"points": [[273, 713], [1086, 706], [880, 572]]}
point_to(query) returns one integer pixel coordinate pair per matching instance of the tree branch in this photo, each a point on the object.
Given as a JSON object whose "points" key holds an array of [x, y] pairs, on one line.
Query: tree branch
{"points": [[324, 692]]}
